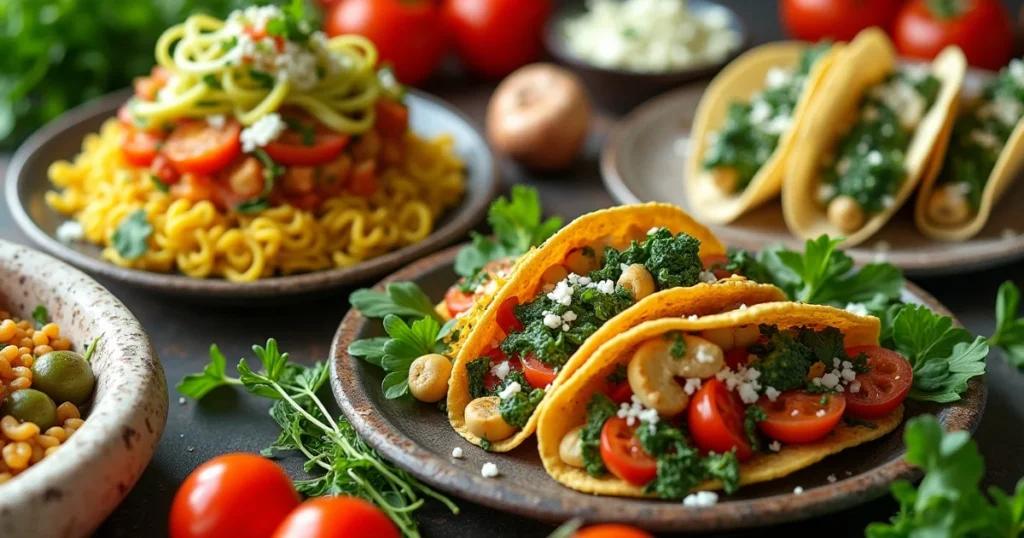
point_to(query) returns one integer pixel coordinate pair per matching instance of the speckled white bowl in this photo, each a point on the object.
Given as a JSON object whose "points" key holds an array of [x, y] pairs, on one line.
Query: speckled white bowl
{"points": [[71, 493]]}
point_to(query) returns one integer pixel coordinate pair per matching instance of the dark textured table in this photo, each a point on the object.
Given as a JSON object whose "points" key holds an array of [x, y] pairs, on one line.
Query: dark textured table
{"points": [[230, 420]]}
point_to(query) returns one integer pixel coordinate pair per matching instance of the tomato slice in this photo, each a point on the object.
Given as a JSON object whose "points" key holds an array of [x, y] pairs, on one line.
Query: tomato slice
{"points": [[364, 179], [537, 373], [622, 454], [506, 316], [139, 147], [392, 118], [620, 392], [716, 418], [458, 301], [736, 357], [884, 387], [716, 264], [799, 417], [164, 170], [200, 148], [290, 149]]}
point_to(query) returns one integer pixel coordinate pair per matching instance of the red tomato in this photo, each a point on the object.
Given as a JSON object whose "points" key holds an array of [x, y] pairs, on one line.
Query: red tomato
{"points": [[719, 260], [492, 381], [841, 20], [982, 28], [125, 116], [806, 426], [290, 149], [458, 301], [537, 373], [392, 118], [506, 316], [139, 147], [193, 187], [611, 530], [200, 148], [334, 517], [164, 170], [622, 454], [620, 392], [364, 179], [408, 33], [496, 37], [232, 495], [736, 356], [884, 387], [146, 88], [716, 418]]}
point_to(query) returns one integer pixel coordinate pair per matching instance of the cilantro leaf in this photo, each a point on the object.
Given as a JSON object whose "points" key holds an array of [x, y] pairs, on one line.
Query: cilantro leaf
{"points": [[404, 299], [944, 357], [198, 385], [370, 350], [1009, 335], [130, 239], [41, 315]]}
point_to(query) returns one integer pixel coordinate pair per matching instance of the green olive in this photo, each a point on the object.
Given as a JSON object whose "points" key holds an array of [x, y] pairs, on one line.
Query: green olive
{"points": [[63, 375], [30, 405]]}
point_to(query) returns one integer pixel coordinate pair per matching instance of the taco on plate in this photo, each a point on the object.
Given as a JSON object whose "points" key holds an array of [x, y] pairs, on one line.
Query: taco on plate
{"points": [[677, 405], [600, 275], [869, 138]]}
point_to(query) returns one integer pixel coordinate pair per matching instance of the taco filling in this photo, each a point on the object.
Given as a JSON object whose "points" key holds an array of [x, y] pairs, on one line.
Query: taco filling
{"points": [[686, 407], [752, 129], [868, 168], [979, 136], [594, 284]]}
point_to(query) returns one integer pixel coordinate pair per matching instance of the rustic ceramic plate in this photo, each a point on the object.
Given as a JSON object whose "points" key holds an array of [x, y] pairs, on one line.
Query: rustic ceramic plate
{"points": [[418, 438], [69, 494], [27, 182], [643, 160]]}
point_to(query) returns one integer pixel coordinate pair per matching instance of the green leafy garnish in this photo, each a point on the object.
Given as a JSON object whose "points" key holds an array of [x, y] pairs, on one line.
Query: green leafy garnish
{"points": [[754, 414], [600, 408], [40, 315], [477, 371], [395, 354], [212, 81], [159, 185], [198, 385], [131, 237], [90, 350], [681, 467], [404, 299], [271, 171], [678, 348], [1009, 335], [617, 376], [518, 408], [307, 132]]}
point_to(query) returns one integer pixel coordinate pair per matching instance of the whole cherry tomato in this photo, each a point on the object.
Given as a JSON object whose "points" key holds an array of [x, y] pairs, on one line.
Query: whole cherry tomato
{"points": [[539, 374], [408, 34], [611, 530], [982, 28], [884, 386], [812, 20], [495, 37], [336, 517], [232, 495]]}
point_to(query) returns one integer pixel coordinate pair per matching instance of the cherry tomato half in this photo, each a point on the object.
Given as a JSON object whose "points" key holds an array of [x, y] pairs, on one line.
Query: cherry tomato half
{"points": [[290, 148], [200, 148], [139, 148], [458, 301], [506, 316], [736, 357], [164, 170], [611, 530], [364, 179], [982, 28], [884, 387], [813, 20], [537, 373], [622, 454], [334, 517], [232, 495], [716, 418], [146, 88], [620, 392], [816, 415], [716, 264], [392, 118]]}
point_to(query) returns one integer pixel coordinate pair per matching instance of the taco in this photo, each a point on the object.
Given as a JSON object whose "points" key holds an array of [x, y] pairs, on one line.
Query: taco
{"points": [[984, 157], [600, 275], [744, 128], [721, 401], [862, 150]]}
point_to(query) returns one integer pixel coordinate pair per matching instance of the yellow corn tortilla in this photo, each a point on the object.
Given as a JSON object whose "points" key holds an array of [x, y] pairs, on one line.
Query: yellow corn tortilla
{"points": [[739, 82], [865, 62], [1008, 165], [625, 222], [567, 407]]}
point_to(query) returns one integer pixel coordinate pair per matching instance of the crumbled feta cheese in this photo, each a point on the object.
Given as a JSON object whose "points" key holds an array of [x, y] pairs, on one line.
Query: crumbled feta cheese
{"points": [[820, 413], [798, 490], [874, 158], [794, 412], [772, 394], [743, 306], [848, 375], [606, 287], [500, 370], [692, 317], [654, 230], [569, 316], [552, 320], [777, 77], [692, 385], [634, 411], [857, 308], [830, 380], [216, 121], [512, 389], [701, 498], [262, 132], [70, 231], [489, 470], [562, 294], [831, 479], [760, 112], [816, 381], [775, 446], [707, 277], [457, 452], [888, 201], [748, 394]]}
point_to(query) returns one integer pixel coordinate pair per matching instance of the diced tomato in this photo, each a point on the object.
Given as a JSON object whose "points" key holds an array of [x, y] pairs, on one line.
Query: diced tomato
{"points": [[799, 417], [146, 88], [716, 416], [307, 202], [885, 385], [506, 316], [620, 392], [364, 179], [392, 118], [290, 149], [622, 454], [125, 116], [537, 373], [259, 32], [245, 176], [200, 148], [193, 187], [162, 168], [139, 147], [736, 356], [716, 264]]}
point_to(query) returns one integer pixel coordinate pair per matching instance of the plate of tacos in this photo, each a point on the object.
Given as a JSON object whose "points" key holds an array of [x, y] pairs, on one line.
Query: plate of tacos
{"points": [[623, 367], [908, 161]]}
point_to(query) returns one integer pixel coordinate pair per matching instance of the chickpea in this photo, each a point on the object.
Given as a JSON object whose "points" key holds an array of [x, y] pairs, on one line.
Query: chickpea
{"points": [[846, 214], [571, 448], [724, 337], [726, 179], [483, 419], [653, 370], [554, 274], [746, 335], [582, 260], [948, 206], [638, 281], [428, 377]]}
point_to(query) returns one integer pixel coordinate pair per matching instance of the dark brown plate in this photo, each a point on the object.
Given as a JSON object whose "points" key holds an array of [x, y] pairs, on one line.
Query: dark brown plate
{"points": [[643, 160], [27, 182], [418, 438]]}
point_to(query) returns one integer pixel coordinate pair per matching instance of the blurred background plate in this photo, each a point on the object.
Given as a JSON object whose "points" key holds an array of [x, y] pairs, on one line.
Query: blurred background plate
{"points": [[27, 182], [643, 160]]}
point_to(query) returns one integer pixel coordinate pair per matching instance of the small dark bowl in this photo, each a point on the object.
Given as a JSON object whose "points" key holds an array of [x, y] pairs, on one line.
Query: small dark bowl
{"points": [[619, 90]]}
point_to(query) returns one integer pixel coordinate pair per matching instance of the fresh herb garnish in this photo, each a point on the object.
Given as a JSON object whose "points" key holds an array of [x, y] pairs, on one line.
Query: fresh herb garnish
{"points": [[485, 445], [293, 26], [518, 408], [305, 131], [673, 260], [477, 372], [271, 171], [618, 376], [600, 408], [754, 414], [254, 205], [212, 81], [404, 299], [198, 385], [40, 315], [90, 350], [159, 185], [678, 348], [264, 79], [395, 354], [130, 239], [681, 467], [1009, 335]]}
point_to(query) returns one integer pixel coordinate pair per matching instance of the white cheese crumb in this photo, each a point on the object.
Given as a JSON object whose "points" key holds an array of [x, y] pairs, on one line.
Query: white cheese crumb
{"points": [[775, 446], [512, 388], [820, 413], [748, 394], [794, 413], [772, 394], [693, 317], [830, 380], [457, 453], [500, 370], [264, 131], [743, 306], [798, 490], [606, 287], [874, 158], [707, 277], [692, 385], [181, 400], [634, 411], [888, 201], [70, 231], [489, 470], [552, 320], [831, 479], [653, 230], [704, 355], [701, 498], [849, 375]]}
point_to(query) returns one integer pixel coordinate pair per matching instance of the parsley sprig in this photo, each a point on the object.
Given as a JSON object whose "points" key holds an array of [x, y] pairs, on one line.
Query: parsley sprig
{"points": [[1009, 335]]}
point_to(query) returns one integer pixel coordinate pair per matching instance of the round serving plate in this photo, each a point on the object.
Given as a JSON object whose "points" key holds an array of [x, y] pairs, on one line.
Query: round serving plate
{"points": [[70, 493], [418, 438], [429, 116], [643, 160]]}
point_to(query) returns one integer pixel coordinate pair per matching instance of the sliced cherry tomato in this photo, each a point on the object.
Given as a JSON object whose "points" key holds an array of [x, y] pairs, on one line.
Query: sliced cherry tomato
{"points": [[458, 301], [537, 373], [622, 454], [201, 148], [884, 387], [492, 381], [392, 118], [232, 495], [611, 530], [194, 188], [620, 392], [736, 357], [716, 264], [335, 517], [139, 147], [364, 179], [164, 170], [815, 416], [291, 149], [716, 418], [981, 28], [506, 316]]}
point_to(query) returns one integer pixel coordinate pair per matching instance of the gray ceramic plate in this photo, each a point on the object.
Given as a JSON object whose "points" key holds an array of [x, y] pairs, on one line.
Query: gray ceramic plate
{"points": [[418, 438], [643, 160], [69, 494], [27, 182]]}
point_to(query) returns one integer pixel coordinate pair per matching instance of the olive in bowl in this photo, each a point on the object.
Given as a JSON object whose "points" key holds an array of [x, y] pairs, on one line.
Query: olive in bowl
{"points": [[63, 375]]}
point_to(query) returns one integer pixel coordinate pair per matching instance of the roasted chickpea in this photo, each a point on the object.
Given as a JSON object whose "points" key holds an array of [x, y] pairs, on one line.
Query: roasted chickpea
{"points": [[428, 377], [948, 206], [638, 281], [846, 214], [483, 419], [571, 449]]}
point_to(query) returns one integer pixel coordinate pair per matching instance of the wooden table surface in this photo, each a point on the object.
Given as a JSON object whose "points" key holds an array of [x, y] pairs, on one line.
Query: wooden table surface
{"points": [[231, 421]]}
